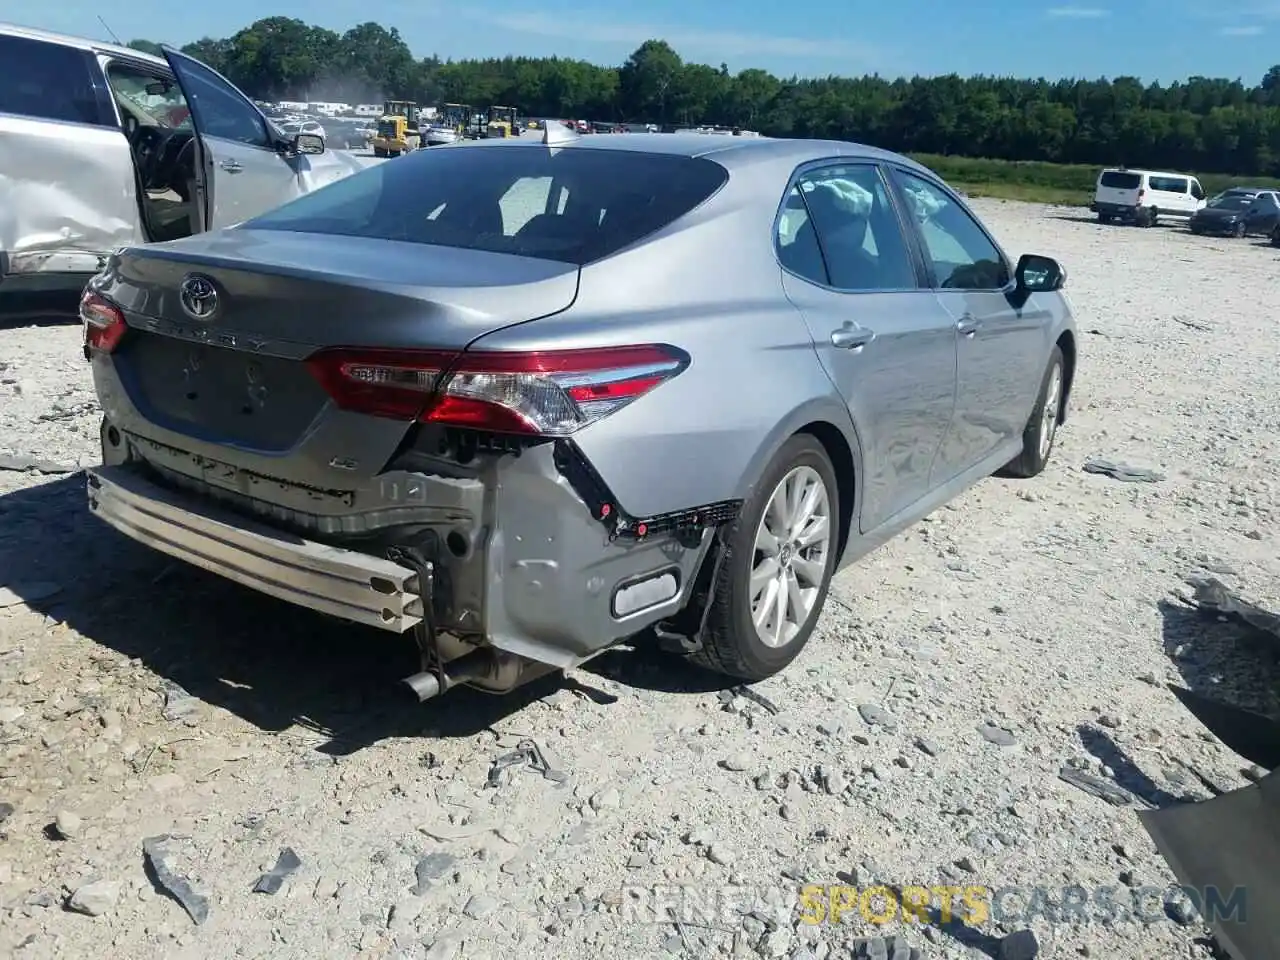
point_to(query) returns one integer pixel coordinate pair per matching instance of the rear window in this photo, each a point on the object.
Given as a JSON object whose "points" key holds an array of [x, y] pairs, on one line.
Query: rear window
{"points": [[573, 205], [1168, 184], [1116, 180], [1232, 201]]}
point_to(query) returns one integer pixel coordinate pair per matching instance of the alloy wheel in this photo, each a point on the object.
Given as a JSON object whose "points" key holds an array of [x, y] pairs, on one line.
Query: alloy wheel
{"points": [[791, 550]]}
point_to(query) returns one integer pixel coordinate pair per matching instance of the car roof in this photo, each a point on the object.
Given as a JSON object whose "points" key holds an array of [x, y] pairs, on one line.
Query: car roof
{"points": [[1149, 173], [80, 43], [725, 149]]}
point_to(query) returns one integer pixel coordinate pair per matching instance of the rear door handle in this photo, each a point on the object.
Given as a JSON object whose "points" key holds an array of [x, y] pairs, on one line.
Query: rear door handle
{"points": [[968, 325], [232, 166], [851, 338]]}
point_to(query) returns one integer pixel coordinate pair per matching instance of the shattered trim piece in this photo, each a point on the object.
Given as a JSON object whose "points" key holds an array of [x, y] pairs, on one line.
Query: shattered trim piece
{"points": [[174, 886], [287, 865]]}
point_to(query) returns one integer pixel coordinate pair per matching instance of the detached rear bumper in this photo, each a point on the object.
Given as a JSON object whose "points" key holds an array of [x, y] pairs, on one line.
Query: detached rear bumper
{"points": [[343, 583]]}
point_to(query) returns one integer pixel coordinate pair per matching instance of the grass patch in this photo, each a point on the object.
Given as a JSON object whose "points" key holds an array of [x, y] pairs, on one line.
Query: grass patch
{"points": [[1036, 182]]}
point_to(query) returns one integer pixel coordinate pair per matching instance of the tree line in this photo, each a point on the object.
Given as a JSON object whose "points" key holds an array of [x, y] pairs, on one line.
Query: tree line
{"points": [[1200, 124]]}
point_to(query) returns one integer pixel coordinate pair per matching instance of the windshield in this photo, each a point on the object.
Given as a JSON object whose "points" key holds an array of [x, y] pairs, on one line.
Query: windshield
{"points": [[1231, 201], [573, 205]]}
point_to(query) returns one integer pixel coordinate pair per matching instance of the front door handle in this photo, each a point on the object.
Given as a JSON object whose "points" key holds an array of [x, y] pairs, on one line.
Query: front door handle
{"points": [[968, 325], [851, 338], [232, 166]]}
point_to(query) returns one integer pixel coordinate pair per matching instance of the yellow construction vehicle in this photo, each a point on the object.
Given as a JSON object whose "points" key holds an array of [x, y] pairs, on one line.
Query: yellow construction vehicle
{"points": [[455, 116], [502, 123], [398, 130]]}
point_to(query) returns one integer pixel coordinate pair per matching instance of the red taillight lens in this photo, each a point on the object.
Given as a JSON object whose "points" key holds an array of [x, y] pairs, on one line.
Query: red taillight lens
{"points": [[383, 383], [542, 393], [103, 322]]}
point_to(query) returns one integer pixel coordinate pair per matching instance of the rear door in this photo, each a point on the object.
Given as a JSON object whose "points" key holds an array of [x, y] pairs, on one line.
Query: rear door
{"points": [[1001, 350], [1119, 187], [1264, 213], [244, 170], [67, 194], [885, 341]]}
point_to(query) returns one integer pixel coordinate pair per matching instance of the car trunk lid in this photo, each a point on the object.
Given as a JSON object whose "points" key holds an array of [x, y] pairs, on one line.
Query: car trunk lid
{"points": [[237, 377]]}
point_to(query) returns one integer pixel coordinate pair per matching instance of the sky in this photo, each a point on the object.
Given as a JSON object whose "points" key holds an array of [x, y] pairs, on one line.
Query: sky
{"points": [[1154, 39]]}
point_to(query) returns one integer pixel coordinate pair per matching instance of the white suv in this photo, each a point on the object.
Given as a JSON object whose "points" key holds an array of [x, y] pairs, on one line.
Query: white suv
{"points": [[1143, 196], [100, 147]]}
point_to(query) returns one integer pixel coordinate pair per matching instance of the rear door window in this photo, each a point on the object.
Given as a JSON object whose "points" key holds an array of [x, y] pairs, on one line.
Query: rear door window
{"points": [[844, 215], [1168, 184], [49, 81], [573, 205], [1118, 180]]}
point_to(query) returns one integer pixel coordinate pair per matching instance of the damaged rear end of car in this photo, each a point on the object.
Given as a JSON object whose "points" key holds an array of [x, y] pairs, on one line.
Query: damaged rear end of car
{"points": [[304, 404]]}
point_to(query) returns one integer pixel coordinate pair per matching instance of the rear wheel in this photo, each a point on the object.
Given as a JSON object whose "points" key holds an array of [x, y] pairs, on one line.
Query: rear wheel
{"points": [[1104, 218], [1042, 427], [1275, 237], [780, 554]]}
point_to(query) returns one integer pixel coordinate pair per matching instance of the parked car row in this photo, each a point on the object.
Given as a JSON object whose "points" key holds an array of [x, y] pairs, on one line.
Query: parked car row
{"points": [[1144, 197]]}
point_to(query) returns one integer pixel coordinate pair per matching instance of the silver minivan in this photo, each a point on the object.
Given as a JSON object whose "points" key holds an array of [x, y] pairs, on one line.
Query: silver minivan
{"points": [[102, 146]]}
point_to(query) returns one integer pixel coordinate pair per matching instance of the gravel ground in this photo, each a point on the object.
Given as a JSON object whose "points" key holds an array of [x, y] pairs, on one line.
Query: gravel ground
{"points": [[918, 740]]}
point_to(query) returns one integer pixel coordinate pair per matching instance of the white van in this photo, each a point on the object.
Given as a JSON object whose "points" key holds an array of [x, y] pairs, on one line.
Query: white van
{"points": [[1143, 196]]}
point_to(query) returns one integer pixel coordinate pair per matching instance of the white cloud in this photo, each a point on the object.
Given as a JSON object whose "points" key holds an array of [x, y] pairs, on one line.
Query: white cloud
{"points": [[1078, 13], [722, 43], [1250, 31]]}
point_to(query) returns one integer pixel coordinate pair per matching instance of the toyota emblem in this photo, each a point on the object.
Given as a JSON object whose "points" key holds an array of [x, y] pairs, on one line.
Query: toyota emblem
{"points": [[199, 297]]}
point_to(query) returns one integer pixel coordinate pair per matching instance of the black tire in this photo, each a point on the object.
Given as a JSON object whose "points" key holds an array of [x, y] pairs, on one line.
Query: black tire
{"points": [[1275, 237], [1238, 230], [1032, 461], [1104, 218], [730, 643], [1153, 217]]}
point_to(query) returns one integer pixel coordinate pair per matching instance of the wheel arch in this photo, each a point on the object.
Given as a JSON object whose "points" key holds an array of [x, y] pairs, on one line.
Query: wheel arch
{"points": [[828, 422], [1067, 344]]}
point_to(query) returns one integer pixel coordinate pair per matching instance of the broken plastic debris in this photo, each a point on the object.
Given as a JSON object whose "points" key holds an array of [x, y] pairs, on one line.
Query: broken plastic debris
{"points": [[286, 865], [1121, 471], [1094, 786], [196, 905], [1214, 596], [527, 753]]}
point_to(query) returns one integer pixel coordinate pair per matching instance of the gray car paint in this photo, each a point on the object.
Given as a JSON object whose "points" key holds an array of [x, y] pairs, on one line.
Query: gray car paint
{"points": [[905, 435], [68, 196]]}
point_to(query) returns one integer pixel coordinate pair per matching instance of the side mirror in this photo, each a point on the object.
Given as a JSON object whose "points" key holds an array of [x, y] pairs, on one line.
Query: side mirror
{"points": [[1037, 274], [308, 143]]}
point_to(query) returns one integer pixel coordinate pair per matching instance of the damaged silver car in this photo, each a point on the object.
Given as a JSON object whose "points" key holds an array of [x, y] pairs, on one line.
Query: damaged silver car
{"points": [[103, 146], [526, 400]]}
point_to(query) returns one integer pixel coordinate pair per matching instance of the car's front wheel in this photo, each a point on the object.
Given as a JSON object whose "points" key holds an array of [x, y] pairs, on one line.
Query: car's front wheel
{"points": [[780, 555], [1042, 426]]}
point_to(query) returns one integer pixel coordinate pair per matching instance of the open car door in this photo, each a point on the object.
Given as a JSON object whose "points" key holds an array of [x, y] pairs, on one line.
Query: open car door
{"points": [[242, 168]]}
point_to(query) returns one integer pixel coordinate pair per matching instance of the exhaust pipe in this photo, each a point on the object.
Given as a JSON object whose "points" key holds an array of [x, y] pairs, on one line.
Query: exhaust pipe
{"points": [[487, 669]]}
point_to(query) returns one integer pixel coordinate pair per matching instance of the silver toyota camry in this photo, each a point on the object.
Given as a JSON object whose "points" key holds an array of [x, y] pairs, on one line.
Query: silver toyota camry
{"points": [[523, 400]]}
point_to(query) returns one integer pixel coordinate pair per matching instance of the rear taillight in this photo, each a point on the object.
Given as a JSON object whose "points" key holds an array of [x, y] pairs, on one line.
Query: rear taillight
{"points": [[103, 321], [540, 393]]}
